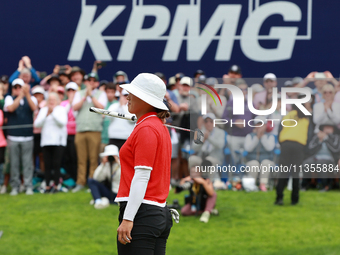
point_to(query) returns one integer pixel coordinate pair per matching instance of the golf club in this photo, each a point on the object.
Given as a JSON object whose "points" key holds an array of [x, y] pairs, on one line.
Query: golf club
{"points": [[198, 134]]}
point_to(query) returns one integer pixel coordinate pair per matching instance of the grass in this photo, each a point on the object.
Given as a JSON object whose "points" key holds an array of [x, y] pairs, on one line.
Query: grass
{"points": [[248, 223]]}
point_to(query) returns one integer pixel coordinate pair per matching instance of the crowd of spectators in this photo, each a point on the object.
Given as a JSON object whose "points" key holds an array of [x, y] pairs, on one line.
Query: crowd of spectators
{"points": [[47, 126]]}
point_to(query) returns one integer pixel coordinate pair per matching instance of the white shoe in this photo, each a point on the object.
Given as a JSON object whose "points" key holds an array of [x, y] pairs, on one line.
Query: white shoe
{"points": [[92, 202], [3, 189], [29, 191], [218, 184], [14, 192], [79, 187], [205, 217], [102, 204]]}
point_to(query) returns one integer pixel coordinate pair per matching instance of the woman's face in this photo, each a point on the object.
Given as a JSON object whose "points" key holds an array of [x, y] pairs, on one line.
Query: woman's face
{"points": [[328, 95], [52, 101], [135, 105]]}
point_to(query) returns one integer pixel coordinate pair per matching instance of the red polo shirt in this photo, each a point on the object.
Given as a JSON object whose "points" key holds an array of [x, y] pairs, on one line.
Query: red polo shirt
{"points": [[148, 146]]}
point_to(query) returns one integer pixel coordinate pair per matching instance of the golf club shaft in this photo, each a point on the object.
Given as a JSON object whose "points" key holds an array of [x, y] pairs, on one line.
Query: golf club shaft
{"points": [[113, 114], [128, 117]]}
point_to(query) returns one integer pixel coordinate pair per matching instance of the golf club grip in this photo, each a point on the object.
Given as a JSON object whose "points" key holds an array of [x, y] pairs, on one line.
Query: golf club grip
{"points": [[113, 114]]}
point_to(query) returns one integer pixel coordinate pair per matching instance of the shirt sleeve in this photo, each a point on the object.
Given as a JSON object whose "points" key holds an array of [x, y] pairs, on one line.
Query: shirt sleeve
{"points": [[8, 101], [145, 148], [102, 99], [76, 98], [35, 101]]}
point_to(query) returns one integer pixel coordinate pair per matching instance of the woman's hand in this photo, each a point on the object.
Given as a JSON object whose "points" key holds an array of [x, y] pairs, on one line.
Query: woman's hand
{"points": [[124, 232]]}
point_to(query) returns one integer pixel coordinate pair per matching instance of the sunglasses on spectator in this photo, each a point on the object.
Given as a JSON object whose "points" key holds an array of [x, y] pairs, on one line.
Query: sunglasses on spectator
{"points": [[16, 87], [328, 92], [70, 90], [208, 120]]}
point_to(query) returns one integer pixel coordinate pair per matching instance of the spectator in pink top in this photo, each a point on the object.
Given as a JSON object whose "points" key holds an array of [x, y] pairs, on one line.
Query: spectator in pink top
{"points": [[269, 82], [70, 155], [3, 145]]}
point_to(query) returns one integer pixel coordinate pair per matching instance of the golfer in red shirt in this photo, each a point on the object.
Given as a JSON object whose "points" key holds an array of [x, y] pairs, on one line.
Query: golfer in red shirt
{"points": [[145, 221]]}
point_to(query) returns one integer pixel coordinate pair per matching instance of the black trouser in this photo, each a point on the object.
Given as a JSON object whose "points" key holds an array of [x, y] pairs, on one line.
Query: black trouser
{"points": [[291, 155], [52, 158], [118, 142], [70, 158], [151, 229]]}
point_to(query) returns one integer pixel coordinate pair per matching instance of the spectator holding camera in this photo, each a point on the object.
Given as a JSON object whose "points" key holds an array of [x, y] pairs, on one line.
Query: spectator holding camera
{"points": [[52, 119], [202, 198], [20, 107], [105, 182], [327, 110]]}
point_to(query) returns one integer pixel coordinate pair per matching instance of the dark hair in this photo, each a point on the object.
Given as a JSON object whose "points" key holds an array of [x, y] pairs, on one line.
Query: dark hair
{"points": [[110, 85], [162, 114]]}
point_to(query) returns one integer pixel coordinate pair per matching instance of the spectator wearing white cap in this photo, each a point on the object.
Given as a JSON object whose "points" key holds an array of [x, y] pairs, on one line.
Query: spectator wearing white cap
{"points": [[188, 106], [105, 183], [20, 107], [70, 153], [260, 146], [269, 82], [39, 93], [89, 127], [119, 129], [52, 119]]}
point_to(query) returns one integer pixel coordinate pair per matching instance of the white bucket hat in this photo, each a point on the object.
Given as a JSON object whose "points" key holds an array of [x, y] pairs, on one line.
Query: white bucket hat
{"points": [[149, 88], [110, 150]]}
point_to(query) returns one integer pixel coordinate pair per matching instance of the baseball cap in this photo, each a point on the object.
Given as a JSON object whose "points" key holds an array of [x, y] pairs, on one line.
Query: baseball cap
{"points": [[92, 75], [61, 89], [288, 83], [124, 92], [199, 71], [297, 80], [18, 81], [257, 87], [71, 85], [186, 80], [77, 69], [4, 78], [172, 81], [235, 69], [209, 115], [269, 76], [38, 89]]}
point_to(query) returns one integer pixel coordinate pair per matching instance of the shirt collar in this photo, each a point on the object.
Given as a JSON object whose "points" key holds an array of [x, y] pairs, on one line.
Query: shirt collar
{"points": [[147, 115]]}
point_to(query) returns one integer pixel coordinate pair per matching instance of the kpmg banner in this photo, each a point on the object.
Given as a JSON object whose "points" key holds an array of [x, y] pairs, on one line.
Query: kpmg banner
{"points": [[288, 38]]}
